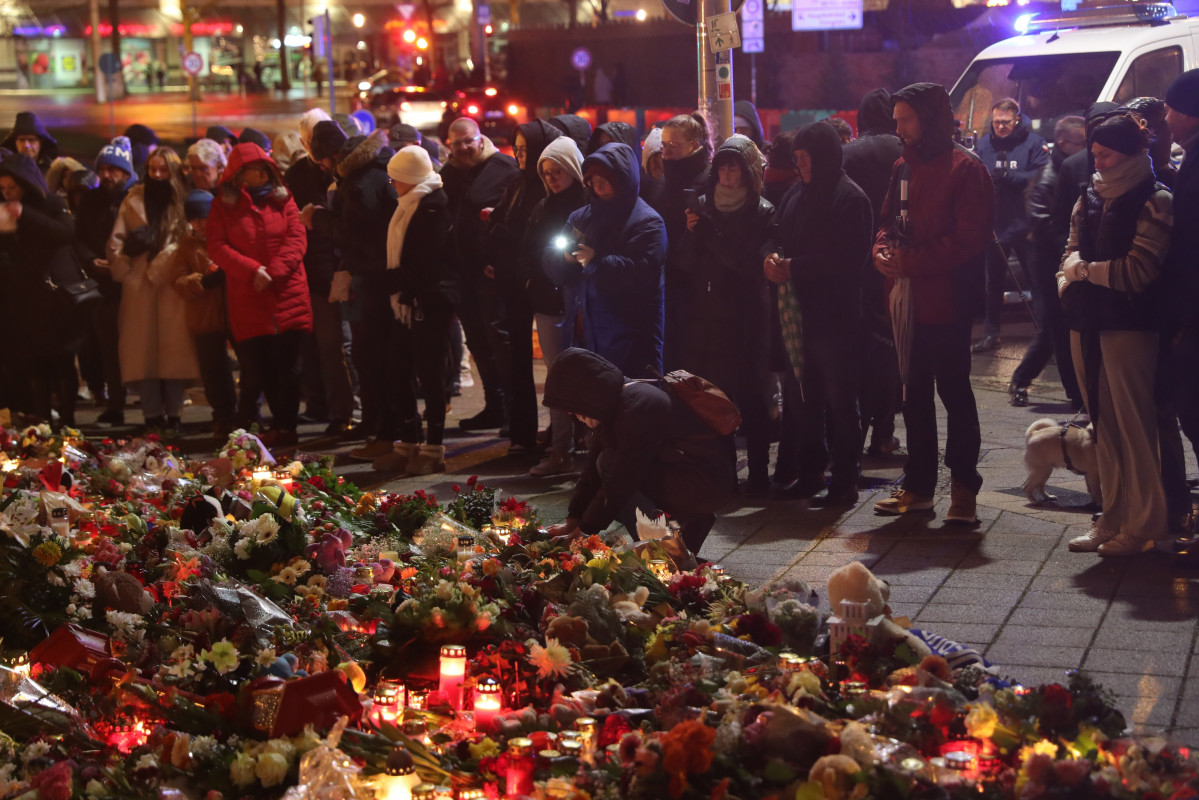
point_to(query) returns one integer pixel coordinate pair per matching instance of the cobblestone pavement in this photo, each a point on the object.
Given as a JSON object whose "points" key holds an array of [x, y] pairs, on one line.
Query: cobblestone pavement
{"points": [[1009, 588]]}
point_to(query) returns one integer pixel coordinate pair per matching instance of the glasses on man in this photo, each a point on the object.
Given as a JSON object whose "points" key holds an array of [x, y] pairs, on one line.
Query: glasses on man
{"points": [[465, 141]]}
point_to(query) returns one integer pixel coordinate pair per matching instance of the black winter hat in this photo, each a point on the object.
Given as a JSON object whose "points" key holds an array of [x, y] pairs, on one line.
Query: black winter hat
{"points": [[1122, 133], [138, 133], [220, 134], [24, 170], [27, 124], [327, 139], [253, 136], [1183, 93]]}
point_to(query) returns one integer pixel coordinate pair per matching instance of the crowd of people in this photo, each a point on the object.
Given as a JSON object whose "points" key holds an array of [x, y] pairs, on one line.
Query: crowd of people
{"points": [[824, 282]]}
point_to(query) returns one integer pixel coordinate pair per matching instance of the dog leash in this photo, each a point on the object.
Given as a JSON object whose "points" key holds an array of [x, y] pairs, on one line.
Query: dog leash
{"points": [[1063, 430]]}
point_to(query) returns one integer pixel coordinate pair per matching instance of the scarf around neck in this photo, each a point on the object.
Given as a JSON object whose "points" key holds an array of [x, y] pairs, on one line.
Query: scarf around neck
{"points": [[1112, 183], [397, 229], [729, 200]]}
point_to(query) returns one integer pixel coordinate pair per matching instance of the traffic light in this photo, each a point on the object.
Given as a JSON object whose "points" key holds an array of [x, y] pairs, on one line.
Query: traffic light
{"points": [[488, 30]]}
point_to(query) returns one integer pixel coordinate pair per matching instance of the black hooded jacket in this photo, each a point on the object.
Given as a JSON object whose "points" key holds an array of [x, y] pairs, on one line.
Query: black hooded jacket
{"points": [[362, 210], [470, 191], [748, 112], [510, 218], [869, 158], [575, 127], [38, 252], [27, 124], [1014, 162], [647, 441], [624, 133], [826, 228], [728, 302], [689, 172]]}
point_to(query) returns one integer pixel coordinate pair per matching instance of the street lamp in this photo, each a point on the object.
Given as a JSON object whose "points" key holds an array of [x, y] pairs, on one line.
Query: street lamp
{"points": [[359, 20]]}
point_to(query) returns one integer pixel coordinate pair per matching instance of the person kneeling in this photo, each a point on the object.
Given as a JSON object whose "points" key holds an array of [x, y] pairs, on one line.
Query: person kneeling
{"points": [[648, 450]]}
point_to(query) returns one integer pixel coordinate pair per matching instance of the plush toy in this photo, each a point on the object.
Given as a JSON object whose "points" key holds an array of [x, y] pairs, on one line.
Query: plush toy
{"points": [[575, 632], [859, 602], [123, 592], [330, 551]]}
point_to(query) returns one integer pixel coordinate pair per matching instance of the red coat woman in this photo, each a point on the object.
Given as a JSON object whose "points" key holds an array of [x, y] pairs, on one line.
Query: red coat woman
{"points": [[255, 236]]}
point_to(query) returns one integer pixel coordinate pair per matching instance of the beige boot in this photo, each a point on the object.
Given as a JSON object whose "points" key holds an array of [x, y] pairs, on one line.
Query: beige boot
{"points": [[398, 459], [430, 459]]}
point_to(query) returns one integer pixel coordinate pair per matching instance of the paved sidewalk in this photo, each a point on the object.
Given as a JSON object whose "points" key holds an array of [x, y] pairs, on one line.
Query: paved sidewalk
{"points": [[1009, 588]]}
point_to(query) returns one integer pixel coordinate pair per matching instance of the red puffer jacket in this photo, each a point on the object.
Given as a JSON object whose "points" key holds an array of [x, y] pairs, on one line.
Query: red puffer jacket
{"points": [[243, 235]]}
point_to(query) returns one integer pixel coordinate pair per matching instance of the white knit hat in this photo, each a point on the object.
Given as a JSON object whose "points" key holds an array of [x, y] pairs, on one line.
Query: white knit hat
{"points": [[410, 165]]}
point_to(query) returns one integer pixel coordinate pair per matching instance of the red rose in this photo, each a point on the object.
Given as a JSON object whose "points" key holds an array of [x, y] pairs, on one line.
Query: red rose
{"points": [[54, 783]]}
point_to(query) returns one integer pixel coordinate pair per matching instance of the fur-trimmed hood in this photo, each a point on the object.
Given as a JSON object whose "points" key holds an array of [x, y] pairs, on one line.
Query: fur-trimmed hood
{"points": [[373, 149], [241, 156]]}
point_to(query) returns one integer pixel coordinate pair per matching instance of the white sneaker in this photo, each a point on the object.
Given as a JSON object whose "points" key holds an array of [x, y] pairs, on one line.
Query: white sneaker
{"points": [[1125, 545], [1090, 541], [553, 464]]}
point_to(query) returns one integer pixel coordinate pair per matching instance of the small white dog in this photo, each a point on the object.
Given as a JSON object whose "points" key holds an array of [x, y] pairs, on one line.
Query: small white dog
{"points": [[1050, 444]]}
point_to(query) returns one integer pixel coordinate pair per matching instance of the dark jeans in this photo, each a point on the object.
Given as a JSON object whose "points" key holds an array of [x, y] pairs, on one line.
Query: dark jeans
{"points": [[1177, 402], [276, 360], [940, 363], [996, 279], [48, 376], [829, 426], [105, 329], [878, 390], [481, 312], [217, 377], [522, 399], [377, 338], [423, 360], [249, 387], [325, 372], [1052, 337]]}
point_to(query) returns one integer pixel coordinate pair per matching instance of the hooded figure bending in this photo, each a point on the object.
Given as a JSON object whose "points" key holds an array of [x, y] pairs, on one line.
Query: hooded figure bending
{"points": [[648, 450]]}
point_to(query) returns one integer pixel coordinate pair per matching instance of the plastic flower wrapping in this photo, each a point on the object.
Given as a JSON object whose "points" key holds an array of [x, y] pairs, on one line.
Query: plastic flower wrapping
{"points": [[194, 629]]}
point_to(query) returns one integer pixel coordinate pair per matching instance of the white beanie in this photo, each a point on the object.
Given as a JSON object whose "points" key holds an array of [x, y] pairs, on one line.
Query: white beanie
{"points": [[410, 165], [564, 152], [308, 123]]}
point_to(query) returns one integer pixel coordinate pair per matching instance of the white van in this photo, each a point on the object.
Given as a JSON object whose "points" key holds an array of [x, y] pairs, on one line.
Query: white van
{"points": [[1070, 59]]}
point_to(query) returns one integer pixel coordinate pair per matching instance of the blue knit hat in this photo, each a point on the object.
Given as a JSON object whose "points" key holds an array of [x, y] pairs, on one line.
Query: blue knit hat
{"points": [[117, 153], [197, 204]]}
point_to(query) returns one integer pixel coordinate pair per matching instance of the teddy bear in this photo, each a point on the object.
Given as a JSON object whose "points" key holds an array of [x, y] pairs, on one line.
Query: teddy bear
{"points": [[574, 632], [857, 584]]}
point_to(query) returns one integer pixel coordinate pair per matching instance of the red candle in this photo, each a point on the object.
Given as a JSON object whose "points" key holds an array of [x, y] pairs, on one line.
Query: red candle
{"points": [[520, 767], [487, 704], [453, 673]]}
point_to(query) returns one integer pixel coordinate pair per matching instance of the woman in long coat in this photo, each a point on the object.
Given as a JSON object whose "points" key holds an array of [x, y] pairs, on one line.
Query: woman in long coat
{"points": [[158, 358]]}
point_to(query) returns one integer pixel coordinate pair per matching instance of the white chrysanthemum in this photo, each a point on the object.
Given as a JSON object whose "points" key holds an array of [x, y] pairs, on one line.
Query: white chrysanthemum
{"points": [[204, 747], [553, 660], [73, 569], [85, 588], [242, 548], [34, 751], [125, 625], [147, 761]]}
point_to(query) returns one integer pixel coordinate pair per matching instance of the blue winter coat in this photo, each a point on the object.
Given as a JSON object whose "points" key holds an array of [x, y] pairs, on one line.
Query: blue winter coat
{"points": [[1013, 161], [621, 289]]}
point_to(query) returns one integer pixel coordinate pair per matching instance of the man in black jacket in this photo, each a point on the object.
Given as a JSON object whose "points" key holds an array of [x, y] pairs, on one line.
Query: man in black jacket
{"points": [[357, 223], [1014, 156], [648, 450], [30, 137], [1180, 389], [475, 177], [824, 230], [1048, 239], [97, 215], [324, 368], [868, 161]]}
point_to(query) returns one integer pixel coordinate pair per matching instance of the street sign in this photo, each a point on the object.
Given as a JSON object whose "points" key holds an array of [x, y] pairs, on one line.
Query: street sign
{"points": [[687, 11], [110, 63], [580, 58], [406, 10], [193, 63], [484, 14], [753, 45], [723, 33], [753, 27], [826, 15]]}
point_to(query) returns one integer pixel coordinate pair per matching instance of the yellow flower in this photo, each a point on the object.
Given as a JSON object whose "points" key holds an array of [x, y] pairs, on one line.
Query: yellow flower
{"points": [[318, 582], [981, 720], [223, 656], [287, 576], [242, 769], [47, 554], [271, 769], [484, 749]]}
